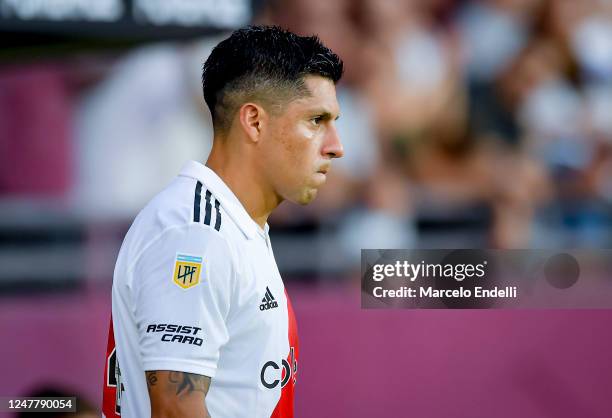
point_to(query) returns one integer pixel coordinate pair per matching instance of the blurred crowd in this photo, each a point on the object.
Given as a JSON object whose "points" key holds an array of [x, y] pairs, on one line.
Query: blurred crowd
{"points": [[499, 110], [465, 124]]}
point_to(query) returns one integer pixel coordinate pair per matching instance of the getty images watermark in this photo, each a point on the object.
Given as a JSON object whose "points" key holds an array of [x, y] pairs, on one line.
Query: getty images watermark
{"points": [[486, 279]]}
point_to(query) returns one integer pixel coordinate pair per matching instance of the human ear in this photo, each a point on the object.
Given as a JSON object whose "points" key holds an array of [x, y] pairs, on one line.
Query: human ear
{"points": [[252, 118]]}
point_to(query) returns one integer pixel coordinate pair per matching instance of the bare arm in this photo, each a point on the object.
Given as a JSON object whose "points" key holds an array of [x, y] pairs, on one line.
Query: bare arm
{"points": [[177, 394]]}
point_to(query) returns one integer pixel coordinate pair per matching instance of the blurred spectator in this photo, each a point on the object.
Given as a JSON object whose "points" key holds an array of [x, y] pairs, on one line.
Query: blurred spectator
{"points": [[137, 127]]}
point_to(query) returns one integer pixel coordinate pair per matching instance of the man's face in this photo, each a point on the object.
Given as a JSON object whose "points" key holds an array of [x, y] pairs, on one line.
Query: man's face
{"points": [[301, 142]]}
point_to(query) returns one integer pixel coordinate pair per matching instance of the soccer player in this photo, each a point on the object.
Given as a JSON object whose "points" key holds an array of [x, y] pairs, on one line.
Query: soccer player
{"points": [[201, 323]]}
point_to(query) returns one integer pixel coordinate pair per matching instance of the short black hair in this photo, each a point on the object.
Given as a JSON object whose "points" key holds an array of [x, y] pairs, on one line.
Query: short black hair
{"points": [[265, 64]]}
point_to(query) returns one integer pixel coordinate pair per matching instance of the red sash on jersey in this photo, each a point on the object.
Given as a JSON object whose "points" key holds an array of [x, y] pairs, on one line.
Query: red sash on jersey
{"points": [[111, 399], [284, 407]]}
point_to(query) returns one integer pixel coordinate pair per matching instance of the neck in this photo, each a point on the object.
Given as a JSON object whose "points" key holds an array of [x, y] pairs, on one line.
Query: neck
{"points": [[240, 173]]}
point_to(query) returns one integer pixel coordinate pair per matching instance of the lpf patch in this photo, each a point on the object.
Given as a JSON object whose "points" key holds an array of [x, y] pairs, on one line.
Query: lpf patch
{"points": [[187, 269]]}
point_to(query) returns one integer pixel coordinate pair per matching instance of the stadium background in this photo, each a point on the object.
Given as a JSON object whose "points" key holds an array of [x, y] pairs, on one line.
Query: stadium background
{"points": [[465, 123]]}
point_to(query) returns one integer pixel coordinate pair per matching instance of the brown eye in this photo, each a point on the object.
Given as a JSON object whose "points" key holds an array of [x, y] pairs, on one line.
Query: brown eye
{"points": [[316, 120]]}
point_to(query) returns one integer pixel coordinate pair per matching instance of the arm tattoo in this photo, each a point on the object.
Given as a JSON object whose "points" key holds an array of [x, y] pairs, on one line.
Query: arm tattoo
{"points": [[151, 378], [189, 382]]}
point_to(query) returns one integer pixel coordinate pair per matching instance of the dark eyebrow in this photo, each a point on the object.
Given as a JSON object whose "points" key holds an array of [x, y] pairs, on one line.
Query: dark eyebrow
{"points": [[324, 115]]}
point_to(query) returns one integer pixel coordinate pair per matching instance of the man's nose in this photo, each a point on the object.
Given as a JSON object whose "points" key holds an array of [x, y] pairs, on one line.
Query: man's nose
{"points": [[333, 147]]}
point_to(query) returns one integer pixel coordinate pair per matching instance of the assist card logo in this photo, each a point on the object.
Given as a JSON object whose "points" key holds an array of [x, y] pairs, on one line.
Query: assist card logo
{"points": [[187, 270]]}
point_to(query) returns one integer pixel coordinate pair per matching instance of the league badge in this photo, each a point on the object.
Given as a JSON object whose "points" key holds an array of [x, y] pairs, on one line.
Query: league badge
{"points": [[187, 270]]}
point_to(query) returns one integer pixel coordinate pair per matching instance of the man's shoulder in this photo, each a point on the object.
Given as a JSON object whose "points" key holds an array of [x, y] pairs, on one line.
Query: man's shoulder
{"points": [[187, 204], [169, 225], [171, 207]]}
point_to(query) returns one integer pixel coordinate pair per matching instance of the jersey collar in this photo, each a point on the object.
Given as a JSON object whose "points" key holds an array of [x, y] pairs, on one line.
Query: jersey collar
{"points": [[224, 194]]}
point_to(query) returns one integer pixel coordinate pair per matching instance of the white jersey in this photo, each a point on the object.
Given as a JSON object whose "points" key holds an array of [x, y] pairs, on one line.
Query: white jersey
{"points": [[196, 289]]}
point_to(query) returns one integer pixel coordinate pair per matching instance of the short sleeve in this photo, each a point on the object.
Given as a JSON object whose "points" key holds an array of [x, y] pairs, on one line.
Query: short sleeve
{"points": [[181, 287]]}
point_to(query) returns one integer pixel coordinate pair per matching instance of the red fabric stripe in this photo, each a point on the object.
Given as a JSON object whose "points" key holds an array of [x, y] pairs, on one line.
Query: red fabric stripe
{"points": [[109, 395], [284, 407]]}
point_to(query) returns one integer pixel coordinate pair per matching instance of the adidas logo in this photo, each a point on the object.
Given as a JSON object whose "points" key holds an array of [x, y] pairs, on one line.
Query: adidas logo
{"points": [[268, 301]]}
